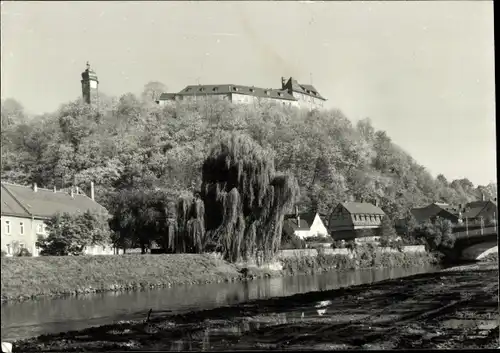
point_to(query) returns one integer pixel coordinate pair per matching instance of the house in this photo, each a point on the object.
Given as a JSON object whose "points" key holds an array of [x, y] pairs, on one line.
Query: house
{"points": [[354, 220], [430, 212], [24, 211], [305, 225], [485, 211], [291, 94]]}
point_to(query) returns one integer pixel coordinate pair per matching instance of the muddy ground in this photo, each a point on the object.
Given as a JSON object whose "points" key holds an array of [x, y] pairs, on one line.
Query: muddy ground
{"points": [[449, 309]]}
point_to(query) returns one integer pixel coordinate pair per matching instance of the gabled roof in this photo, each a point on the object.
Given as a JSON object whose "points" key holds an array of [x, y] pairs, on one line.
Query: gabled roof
{"points": [[423, 214], [362, 208], [10, 207], [291, 221], [473, 209], [44, 203], [203, 90]]}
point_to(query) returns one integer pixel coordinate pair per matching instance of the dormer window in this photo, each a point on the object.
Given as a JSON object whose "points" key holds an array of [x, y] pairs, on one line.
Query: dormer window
{"points": [[279, 94], [235, 88], [201, 89], [266, 92], [252, 90], [215, 89], [187, 89]]}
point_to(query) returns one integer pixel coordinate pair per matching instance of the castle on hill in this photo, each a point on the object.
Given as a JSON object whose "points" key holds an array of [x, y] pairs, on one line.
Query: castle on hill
{"points": [[291, 94]]}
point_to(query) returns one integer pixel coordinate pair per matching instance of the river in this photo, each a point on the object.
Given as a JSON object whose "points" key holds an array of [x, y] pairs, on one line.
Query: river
{"points": [[51, 315]]}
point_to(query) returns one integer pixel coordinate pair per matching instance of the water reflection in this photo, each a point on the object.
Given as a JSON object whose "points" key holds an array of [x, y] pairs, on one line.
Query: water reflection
{"points": [[31, 318]]}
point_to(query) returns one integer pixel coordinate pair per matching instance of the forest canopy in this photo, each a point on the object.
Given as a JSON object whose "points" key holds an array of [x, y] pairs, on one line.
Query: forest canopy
{"points": [[130, 143]]}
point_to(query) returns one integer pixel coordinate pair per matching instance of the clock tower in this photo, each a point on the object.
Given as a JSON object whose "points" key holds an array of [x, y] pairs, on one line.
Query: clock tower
{"points": [[90, 86]]}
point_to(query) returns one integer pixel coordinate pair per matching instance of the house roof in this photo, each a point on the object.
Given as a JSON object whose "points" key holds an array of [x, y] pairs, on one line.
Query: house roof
{"points": [[473, 209], [192, 90], [423, 214], [10, 207], [291, 221], [44, 203], [362, 208]]}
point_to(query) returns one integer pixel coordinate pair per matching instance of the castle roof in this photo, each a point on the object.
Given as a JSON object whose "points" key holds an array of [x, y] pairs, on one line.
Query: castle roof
{"points": [[308, 90]]}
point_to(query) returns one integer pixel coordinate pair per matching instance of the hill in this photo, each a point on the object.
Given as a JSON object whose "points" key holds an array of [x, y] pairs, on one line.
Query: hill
{"points": [[130, 143]]}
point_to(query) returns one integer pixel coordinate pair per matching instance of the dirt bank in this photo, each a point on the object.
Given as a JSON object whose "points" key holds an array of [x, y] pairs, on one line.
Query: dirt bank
{"points": [[451, 309]]}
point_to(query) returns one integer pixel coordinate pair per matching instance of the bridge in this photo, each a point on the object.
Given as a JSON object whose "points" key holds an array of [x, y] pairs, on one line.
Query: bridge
{"points": [[475, 244]]}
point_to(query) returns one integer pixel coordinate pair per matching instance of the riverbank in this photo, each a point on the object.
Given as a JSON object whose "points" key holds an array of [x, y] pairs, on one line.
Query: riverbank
{"points": [[57, 276], [456, 308]]}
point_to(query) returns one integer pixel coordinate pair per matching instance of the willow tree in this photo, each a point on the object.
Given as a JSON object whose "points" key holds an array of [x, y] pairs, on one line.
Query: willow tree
{"points": [[245, 199]]}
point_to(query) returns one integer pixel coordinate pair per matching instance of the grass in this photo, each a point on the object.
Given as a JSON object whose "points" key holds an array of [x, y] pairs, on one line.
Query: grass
{"points": [[29, 277]]}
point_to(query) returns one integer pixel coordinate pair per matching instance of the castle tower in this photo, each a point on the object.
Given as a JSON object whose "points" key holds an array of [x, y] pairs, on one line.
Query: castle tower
{"points": [[90, 86]]}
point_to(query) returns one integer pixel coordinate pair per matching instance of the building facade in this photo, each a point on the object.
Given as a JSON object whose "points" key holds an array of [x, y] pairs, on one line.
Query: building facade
{"points": [[291, 94], [353, 220], [24, 211]]}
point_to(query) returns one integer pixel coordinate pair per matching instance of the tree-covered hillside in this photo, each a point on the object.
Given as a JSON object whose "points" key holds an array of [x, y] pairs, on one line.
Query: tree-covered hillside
{"points": [[132, 143]]}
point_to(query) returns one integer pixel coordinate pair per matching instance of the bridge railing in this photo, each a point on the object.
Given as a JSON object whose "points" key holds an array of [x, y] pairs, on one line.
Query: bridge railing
{"points": [[476, 232]]}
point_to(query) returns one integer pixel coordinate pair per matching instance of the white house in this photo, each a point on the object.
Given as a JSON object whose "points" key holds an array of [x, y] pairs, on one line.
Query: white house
{"points": [[305, 225]]}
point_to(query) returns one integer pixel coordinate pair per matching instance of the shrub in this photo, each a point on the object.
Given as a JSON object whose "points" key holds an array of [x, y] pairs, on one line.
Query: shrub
{"points": [[351, 245], [23, 252], [319, 239], [292, 242], [384, 241], [338, 244]]}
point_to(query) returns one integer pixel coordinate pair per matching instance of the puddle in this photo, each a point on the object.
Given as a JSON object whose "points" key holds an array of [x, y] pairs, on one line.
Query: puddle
{"points": [[477, 324]]}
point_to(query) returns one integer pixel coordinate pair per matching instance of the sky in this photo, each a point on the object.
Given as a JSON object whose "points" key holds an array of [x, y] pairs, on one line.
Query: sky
{"points": [[422, 71]]}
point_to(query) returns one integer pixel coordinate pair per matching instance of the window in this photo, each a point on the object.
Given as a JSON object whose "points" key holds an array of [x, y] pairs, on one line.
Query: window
{"points": [[215, 89], [21, 226], [8, 249], [39, 229], [7, 228]]}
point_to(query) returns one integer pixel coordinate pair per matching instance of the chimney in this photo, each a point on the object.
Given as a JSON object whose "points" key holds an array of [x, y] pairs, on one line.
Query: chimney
{"points": [[92, 190], [35, 187]]}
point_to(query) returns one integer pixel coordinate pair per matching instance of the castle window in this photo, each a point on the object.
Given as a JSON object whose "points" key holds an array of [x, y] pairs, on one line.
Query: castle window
{"points": [[7, 227]]}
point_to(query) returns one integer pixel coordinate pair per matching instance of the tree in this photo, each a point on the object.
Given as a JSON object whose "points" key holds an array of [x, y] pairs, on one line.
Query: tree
{"points": [[245, 200], [152, 91], [139, 217], [70, 234], [386, 232]]}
